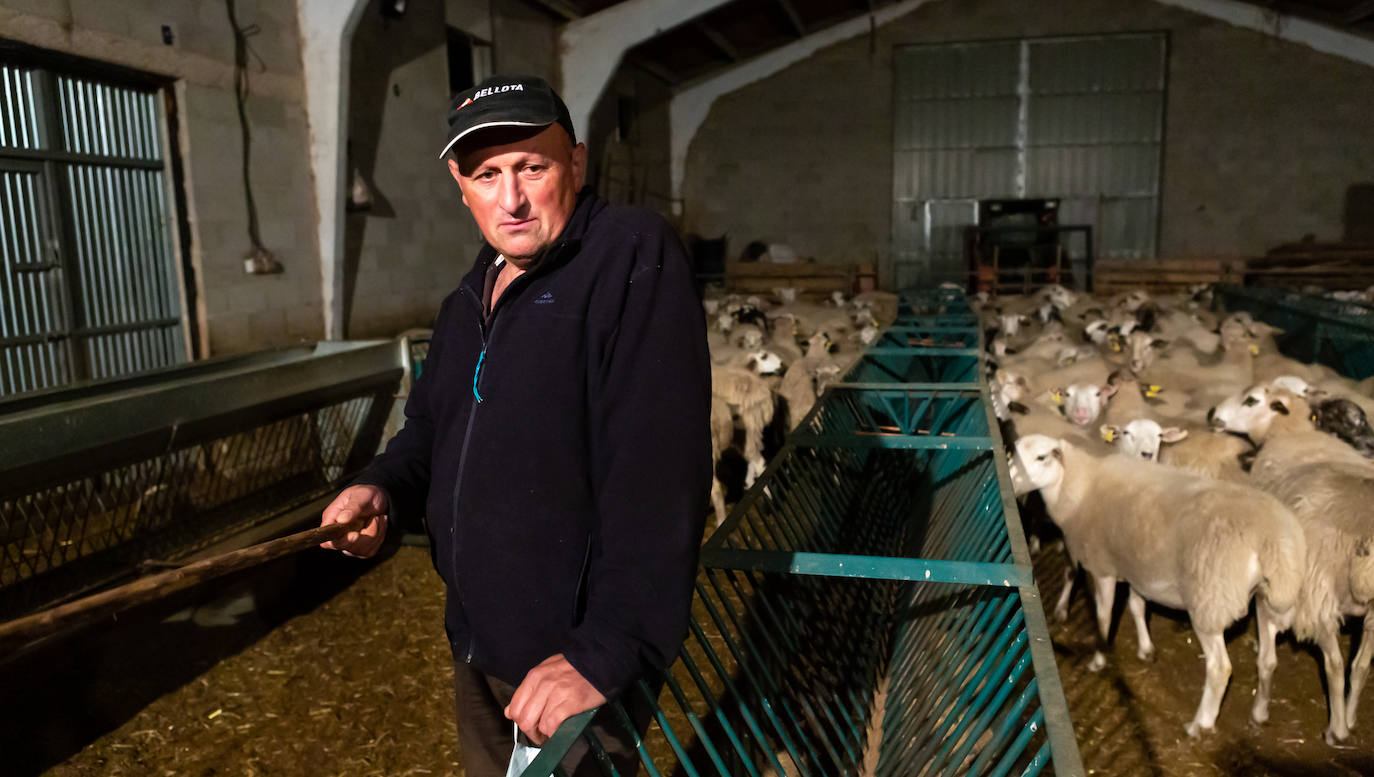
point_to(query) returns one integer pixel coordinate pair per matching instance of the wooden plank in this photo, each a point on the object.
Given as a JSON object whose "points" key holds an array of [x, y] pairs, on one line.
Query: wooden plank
{"points": [[765, 269]]}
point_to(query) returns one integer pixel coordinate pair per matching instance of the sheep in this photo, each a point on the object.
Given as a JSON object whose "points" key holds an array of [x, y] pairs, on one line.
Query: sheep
{"points": [[722, 436], [751, 400], [1180, 540], [1329, 488], [1142, 437], [1346, 420], [1083, 402]]}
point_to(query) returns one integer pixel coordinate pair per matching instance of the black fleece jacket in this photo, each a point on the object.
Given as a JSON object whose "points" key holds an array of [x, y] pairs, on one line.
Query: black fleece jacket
{"points": [[559, 453]]}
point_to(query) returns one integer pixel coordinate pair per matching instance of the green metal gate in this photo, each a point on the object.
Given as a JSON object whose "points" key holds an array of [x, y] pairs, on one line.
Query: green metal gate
{"points": [[1315, 329], [868, 607]]}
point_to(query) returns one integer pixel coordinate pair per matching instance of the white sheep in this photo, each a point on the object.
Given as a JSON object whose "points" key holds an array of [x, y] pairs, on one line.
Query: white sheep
{"points": [[1180, 540], [751, 401], [1141, 438], [1330, 489]]}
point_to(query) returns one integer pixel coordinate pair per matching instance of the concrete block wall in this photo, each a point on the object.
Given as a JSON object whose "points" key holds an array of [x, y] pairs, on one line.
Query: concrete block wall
{"points": [[402, 257], [237, 312], [1262, 136], [409, 251]]}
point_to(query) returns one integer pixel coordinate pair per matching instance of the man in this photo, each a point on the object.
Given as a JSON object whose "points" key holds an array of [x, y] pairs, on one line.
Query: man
{"points": [[556, 444]]}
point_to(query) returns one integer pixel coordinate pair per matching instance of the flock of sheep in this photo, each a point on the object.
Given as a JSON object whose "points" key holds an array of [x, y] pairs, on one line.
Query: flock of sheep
{"points": [[1180, 453], [775, 356]]}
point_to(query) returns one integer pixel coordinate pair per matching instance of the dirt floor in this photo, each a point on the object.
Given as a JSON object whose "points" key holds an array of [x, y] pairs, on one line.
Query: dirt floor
{"points": [[344, 670], [1129, 717]]}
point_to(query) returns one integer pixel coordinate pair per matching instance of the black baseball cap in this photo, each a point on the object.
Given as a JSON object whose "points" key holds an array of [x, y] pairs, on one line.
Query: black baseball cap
{"points": [[505, 101]]}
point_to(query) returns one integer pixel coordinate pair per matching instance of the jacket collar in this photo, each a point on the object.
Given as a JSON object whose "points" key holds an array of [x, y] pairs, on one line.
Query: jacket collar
{"points": [[564, 247]]}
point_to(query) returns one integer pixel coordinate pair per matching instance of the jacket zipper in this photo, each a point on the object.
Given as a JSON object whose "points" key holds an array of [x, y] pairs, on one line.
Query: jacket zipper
{"points": [[484, 330]]}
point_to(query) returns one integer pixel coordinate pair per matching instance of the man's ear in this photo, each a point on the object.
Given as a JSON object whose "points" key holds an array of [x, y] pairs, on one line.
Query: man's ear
{"points": [[457, 177], [579, 164]]}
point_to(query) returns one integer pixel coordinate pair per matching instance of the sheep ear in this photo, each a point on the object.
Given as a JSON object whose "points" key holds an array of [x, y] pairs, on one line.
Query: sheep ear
{"points": [[1278, 407], [1057, 396], [1110, 433], [1108, 390], [1158, 343], [1058, 453], [1173, 434]]}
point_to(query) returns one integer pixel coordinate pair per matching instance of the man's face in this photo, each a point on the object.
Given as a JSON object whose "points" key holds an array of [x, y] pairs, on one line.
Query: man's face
{"points": [[521, 188]]}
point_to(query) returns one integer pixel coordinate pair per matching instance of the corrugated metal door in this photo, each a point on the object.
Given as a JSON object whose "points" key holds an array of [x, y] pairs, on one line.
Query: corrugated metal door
{"points": [[1079, 119], [89, 288]]}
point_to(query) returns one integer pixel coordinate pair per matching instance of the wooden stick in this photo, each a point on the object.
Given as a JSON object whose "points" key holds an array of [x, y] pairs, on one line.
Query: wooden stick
{"points": [[31, 628]]}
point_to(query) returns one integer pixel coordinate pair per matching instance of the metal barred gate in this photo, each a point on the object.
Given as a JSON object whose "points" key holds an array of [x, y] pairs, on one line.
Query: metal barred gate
{"points": [[868, 607]]}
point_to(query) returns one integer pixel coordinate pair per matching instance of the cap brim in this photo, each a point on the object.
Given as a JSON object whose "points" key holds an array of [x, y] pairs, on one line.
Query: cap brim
{"points": [[486, 125]]}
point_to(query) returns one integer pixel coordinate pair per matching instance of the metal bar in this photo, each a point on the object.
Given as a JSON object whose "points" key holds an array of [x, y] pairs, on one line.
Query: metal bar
{"points": [[894, 442], [921, 350], [57, 428], [867, 567]]}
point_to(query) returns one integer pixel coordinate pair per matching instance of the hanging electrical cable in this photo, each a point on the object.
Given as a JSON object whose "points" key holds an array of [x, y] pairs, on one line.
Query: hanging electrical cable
{"points": [[259, 260]]}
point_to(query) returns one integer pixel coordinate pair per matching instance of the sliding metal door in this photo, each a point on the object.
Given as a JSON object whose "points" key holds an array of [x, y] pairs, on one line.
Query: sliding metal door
{"points": [[1079, 119]]}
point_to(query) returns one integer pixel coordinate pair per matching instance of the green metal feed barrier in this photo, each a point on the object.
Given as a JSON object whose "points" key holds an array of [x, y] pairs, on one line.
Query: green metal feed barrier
{"points": [[868, 607], [1315, 329]]}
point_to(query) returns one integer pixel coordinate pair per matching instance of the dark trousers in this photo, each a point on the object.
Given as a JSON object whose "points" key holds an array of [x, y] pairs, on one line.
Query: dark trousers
{"points": [[485, 734]]}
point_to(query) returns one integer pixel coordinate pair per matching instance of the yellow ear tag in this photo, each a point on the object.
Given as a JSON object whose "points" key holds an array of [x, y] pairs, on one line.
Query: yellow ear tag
{"points": [[1056, 397], [1116, 346], [1254, 350], [1313, 419], [1108, 435]]}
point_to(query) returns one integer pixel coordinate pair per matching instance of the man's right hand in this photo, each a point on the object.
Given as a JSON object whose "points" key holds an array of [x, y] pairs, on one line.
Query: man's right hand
{"points": [[366, 501]]}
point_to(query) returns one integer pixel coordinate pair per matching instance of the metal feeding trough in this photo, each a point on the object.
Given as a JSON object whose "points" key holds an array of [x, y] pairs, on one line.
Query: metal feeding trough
{"points": [[1315, 329], [102, 481], [868, 607]]}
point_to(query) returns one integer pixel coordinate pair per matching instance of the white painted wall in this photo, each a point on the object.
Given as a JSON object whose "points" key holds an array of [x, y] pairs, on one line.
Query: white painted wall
{"points": [[591, 47], [690, 106], [326, 34]]}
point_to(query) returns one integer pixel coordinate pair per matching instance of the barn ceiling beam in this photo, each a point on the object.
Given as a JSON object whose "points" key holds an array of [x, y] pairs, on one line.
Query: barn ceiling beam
{"points": [[726, 47], [655, 69], [591, 47], [1360, 12], [1326, 38], [792, 16], [560, 8]]}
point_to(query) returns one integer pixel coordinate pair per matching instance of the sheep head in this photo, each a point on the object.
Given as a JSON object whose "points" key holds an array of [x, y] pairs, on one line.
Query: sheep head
{"points": [[1141, 438], [1037, 462]]}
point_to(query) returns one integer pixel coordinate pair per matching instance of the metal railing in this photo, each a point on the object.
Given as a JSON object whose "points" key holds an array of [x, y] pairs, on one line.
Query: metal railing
{"points": [[868, 607], [98, 480]]}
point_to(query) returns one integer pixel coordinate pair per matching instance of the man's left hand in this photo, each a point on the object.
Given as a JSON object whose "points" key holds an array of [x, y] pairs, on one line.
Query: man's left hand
{"points": [[551, 693]]}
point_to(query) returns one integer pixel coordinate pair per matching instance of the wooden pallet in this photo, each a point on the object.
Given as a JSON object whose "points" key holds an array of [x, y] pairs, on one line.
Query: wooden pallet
{"points": [[813, 281], [1165, 275], [1326, 265]]}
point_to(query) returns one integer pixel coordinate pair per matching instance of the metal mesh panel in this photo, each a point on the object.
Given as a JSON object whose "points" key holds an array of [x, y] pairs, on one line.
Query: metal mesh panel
{"points": [[59, 538]]}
